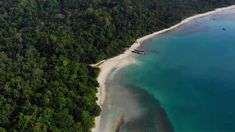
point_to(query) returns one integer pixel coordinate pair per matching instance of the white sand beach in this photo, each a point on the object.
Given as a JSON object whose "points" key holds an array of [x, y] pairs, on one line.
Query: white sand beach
{"points": [[126, 58]]}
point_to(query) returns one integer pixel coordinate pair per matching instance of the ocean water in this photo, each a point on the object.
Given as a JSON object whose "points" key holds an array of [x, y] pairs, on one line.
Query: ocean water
{"points": [[185, 82]]}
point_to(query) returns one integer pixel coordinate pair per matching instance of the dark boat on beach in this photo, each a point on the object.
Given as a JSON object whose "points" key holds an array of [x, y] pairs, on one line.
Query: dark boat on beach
{"points": [[141, 52]]}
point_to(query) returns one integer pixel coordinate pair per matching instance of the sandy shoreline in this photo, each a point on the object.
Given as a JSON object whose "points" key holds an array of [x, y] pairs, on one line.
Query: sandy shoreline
{"points": [[126, 58]]}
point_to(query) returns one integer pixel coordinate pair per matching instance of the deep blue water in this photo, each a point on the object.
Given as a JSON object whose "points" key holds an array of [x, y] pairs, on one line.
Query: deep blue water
{"points": [[186, 81]]}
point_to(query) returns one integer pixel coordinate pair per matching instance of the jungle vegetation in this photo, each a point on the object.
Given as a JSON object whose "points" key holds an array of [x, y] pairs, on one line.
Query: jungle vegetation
{"points": [[46, 47]]}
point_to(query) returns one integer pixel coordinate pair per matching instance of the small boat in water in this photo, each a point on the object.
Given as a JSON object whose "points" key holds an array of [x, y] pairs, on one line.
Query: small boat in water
{"points": [[137, 51]]}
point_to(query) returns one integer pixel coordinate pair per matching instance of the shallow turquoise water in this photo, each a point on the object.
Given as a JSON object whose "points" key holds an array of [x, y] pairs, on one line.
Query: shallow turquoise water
{"points": [[191, 72]]}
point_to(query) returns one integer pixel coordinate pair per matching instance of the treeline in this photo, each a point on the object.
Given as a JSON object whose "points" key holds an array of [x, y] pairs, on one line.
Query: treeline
{"points": [[46, 46]]}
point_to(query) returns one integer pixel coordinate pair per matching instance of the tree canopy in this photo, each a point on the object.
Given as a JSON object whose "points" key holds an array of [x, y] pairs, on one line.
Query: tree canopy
{"points": [[46, 83]]}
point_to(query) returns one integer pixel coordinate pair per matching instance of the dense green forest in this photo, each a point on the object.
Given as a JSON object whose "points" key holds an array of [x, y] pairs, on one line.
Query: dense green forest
{"points": [[46, 83]]}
